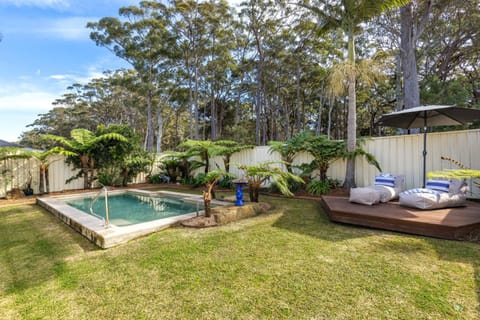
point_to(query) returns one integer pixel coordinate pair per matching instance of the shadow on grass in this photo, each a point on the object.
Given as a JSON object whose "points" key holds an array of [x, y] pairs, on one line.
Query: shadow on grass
{"points": [[307, 217], [462, 252], [34, 246]]}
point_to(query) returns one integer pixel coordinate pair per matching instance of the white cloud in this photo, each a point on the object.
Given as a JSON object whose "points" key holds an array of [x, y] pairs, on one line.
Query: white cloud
{"points": [[60, 76], [34, 100], [68, 79]]}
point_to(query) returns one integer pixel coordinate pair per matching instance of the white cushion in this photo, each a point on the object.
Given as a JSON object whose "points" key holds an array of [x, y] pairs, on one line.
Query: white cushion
{"points": [[387, 193], [366, 196], [422, 198]]}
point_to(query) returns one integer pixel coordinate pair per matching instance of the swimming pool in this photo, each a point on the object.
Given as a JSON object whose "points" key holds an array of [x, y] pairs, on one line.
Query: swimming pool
{"points": [[134, 214], [129, 208]]}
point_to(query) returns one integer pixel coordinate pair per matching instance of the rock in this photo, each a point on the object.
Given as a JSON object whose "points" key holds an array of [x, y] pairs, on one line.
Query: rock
{"points": [[15, 193], [225, 214]]}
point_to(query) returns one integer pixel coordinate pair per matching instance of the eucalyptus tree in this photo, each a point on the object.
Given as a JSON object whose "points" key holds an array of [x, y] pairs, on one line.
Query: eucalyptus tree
{"points": [[413, 21], [191, 30], [143, 38], [348, 15], [218, 67], [262, 20]]}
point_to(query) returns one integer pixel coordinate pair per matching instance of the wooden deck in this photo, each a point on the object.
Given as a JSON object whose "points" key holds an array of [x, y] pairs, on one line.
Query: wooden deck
{"points": [[452, 223]]}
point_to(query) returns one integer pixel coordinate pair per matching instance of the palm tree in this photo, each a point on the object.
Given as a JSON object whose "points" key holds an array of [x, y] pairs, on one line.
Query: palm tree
{"points": [[226, 148], [199, 148], [80, 146], [210, 180], [347, 15], [44, 160], [256, 175]]}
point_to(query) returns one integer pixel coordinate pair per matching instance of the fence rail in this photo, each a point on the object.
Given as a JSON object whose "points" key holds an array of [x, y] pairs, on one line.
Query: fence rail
{"points": [[396, 154]]}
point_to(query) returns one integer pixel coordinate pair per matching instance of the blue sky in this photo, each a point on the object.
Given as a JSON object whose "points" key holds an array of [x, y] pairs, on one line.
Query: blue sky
{"points": [[45, 48]]}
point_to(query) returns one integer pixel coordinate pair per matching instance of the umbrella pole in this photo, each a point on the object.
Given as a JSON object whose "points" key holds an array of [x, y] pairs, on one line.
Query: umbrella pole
{"points": [[424, 147]]}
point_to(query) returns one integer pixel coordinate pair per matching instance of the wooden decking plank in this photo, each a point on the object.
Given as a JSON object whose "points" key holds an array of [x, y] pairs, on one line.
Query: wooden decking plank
{"points": [[449, 223]]}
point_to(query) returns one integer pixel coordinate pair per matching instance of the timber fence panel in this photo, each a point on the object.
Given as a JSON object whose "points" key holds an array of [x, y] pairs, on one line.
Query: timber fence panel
{"points": [[396, 154]]}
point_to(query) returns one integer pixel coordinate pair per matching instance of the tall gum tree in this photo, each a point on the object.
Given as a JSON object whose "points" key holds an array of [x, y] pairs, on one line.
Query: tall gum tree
{"points": [[348, 15], [412, 25], [143, 39]]}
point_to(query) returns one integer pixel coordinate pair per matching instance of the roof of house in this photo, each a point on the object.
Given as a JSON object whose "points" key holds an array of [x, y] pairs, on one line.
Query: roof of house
{"points": [[4, 143]]}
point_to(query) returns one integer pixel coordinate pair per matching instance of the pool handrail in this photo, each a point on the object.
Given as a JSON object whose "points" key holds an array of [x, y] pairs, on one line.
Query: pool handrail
{"points": [[106, 220]]}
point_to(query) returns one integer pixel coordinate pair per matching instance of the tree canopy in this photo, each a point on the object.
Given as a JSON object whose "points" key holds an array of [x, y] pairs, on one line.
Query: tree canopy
{"points": [[262, 71]]}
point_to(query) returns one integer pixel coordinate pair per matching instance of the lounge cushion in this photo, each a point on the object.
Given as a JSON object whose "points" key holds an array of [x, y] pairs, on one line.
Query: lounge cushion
{"points": [[427, 199], [383, 180], [387, 193], [390, 180], [366, 196]]}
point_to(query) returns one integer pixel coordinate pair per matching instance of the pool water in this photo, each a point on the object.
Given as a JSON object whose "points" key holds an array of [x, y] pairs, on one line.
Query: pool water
{"points": [[128, 209]]}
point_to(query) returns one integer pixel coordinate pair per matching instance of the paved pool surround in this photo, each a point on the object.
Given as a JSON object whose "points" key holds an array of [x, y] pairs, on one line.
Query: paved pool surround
{"points": [[94, 229]]}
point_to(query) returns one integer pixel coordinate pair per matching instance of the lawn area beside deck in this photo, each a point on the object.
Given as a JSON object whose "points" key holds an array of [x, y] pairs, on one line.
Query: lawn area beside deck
{"points": [[291, 263]]}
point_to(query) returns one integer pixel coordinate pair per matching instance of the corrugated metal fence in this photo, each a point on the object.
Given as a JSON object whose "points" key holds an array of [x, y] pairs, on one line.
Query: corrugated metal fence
{"points": [[396, 154]]}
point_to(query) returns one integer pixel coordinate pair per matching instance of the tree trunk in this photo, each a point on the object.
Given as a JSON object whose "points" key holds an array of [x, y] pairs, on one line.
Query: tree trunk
{"points": [[207, 199], [84, 161], [213, 117], [195, 100], [258, 107], [298, 109], [47, 181], [92, 172], [329, 124], [150, 133], [160, 129], [398, 81], [409, 62], [207, 162], [42, 181], [352, 114], [190, 96]]}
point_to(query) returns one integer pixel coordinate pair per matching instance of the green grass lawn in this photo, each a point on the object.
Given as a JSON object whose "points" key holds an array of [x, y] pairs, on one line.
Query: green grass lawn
{"points": [[289, 264]]}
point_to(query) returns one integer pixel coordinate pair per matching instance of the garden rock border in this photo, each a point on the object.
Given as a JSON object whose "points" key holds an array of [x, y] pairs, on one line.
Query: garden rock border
{"points": [[225, 214]]}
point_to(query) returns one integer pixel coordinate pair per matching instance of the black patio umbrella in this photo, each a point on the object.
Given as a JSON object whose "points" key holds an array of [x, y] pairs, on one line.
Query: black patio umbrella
{"points": [[428, 116]]}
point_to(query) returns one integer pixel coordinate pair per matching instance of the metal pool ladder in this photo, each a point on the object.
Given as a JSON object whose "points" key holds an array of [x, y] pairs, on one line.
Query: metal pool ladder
{"points": [[106, 220]]}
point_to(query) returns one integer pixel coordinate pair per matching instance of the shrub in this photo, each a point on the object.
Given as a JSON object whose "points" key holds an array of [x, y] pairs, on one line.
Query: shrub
{"points": [[199, 179], [319, 187], [226, 182], [159, 178], [109, 178], [293, 186]]}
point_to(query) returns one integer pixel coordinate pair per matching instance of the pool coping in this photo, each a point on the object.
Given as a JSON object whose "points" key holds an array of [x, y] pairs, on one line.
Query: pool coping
{"points": [[106, 237]]}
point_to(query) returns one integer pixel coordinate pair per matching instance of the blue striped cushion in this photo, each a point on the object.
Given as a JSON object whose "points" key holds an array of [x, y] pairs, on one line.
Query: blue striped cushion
{"points": [[421, 190], [388, 181], [438, 185]]}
